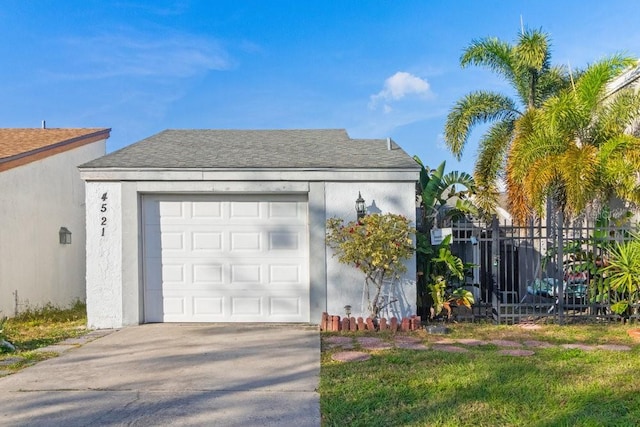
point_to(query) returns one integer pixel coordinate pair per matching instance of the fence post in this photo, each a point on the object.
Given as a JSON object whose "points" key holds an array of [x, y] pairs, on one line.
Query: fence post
{"points": [[495, 268], [559, 276]]}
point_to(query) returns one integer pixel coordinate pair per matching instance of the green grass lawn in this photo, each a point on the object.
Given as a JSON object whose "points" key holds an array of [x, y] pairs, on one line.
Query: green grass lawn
{"points": [[554, 387], [35, 328]]}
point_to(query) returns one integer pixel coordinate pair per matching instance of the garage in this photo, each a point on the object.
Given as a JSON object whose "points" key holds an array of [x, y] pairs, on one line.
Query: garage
{"points": [[239, 258], [207, 225]]}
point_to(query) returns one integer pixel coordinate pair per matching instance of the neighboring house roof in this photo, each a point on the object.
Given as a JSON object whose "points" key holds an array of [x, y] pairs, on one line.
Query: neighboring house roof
{"points": [[257, 149], [630, 77], [22, 146]]}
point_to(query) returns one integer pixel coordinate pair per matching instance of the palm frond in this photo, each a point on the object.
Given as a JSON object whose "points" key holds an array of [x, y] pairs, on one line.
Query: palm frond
{"points": [[472, 109], [578, 172], [532, 50], [592, 84], [620, 160], [489, 52], [459, 178], [462, 208], [541, 181], [517, 198], [533, 140], [552, 81], [564, 115], [618, 115], [492, 151]]}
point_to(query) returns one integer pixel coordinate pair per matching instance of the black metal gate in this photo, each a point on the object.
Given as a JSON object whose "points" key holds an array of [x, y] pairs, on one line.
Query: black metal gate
{"points": [[527, 273]]}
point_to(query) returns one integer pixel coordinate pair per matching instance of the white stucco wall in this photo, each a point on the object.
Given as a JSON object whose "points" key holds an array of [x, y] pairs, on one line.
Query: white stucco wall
{"points": [[104, 255], [36, 199], [345, 283]]}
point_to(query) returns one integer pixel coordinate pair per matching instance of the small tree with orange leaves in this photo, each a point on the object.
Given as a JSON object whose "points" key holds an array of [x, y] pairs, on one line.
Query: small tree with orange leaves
{"points": [[377, 245]]}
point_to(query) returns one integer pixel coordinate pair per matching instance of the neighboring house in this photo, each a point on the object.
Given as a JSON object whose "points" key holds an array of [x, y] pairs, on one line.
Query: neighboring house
{"points": [[42, 197], [629, 78], [229, 225]]}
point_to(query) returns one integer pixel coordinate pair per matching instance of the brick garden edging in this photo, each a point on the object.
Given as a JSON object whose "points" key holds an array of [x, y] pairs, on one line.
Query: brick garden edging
{"points": [[331, 323]]}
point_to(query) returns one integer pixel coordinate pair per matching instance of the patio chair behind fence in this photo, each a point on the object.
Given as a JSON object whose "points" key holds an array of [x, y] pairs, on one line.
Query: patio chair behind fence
{"points": [[527, 273]]}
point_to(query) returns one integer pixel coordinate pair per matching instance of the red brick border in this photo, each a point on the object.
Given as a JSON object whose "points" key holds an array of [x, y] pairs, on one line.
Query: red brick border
{"points": [[331, 323]]}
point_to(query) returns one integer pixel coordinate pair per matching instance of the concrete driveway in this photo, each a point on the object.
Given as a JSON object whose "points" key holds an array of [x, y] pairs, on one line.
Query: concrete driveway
{"points": [[174, 374]]}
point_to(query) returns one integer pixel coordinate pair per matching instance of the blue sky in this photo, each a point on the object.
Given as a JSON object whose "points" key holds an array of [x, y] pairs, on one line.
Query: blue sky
{"points": [[375, 68]]}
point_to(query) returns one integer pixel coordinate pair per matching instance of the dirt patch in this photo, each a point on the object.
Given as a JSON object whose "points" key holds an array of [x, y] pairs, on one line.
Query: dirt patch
{"points": [[505, 343], [449, 348], [372, 343], [578, 346], [538, 344], [445, 341], [412, 345], [338, 340], [471, 341], [517, 352], [406, 339], [614, 347], [351, 356]]}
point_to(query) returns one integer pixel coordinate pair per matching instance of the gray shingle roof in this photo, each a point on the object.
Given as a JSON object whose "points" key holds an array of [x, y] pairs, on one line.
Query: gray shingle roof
{"points": [[323, 148]]}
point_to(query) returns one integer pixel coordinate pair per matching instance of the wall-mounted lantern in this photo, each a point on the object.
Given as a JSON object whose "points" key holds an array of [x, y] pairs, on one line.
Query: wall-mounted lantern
{"points": [[361, 208], [65, 236], [347, 310]]}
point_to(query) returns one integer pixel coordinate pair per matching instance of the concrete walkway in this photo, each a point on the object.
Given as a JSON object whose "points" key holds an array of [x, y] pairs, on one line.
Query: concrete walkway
{"points": [[174, 374]]}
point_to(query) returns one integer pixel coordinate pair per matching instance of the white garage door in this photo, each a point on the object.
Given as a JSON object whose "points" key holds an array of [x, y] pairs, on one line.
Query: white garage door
{"points": [[226, 258]]}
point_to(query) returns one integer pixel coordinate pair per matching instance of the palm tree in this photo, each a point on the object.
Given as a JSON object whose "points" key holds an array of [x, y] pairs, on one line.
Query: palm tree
{"points": [[442, 197], [575, 148], [526, 66], [437, 192]]}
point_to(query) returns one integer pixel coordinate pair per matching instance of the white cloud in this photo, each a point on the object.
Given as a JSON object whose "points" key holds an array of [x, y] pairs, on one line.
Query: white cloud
{"points": [[398, 86]]}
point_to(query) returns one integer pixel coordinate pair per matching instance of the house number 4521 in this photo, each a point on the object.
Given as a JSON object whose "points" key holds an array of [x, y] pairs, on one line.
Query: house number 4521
{"points": [[103, 210]]}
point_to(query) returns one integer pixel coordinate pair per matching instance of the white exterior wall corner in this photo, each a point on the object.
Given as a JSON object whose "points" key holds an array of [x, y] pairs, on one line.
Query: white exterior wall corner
{"points": [[36, 199], [317, 252], [104, 255], [345, 284]]}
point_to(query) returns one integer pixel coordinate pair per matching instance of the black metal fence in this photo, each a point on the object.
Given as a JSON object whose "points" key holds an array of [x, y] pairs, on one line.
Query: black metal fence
{"points": [[528, 273]]}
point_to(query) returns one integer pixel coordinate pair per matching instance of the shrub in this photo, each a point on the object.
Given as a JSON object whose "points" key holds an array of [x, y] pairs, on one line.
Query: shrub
{"points": [[377, 245]]}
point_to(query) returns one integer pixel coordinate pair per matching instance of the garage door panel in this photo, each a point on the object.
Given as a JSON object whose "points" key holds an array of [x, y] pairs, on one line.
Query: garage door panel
{"points": [[283, 210], [173, 274], [208, 306], [174, 305], [206, 210], [172, 210], [246, 274], [284, 306], [226, 258], [207, 241], [284, 240], [173, 241], [243, 241], [283, 274], [244, 210], [246, 306], [208, 274]]}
